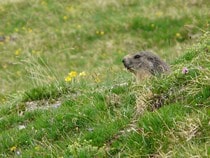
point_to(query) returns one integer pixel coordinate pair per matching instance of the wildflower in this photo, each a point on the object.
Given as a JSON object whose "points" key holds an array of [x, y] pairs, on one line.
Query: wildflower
{"points": [[43, 3], [37, 148], [73, 74], [3, 100], [69, 9], [65, 17], [13, 149], [35, 52], [119, 52], [30, 30], [70, 76], [18, 152], [16, 30], [159, 13], [17, 52], [178, 35], [185, 70], [68, 79], [2, 9], [4, 66], [23, 28], [18, 73], [78, 26], [102, 32], [82, 73], [97, 79]]}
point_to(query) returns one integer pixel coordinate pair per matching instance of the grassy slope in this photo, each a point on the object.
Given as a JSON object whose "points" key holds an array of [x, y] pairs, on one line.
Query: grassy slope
{"points": [[95, 36]]}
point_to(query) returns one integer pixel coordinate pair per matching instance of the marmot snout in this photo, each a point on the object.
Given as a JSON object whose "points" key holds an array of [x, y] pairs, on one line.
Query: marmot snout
{"points": [[145, 64]]}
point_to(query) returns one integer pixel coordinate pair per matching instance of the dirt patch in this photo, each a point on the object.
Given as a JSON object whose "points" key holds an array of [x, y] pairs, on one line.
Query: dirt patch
{"points": [[43, 105]]}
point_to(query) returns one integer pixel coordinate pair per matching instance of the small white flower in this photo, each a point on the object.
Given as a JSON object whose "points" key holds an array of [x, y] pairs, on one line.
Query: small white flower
{"points": [[18, 153]]}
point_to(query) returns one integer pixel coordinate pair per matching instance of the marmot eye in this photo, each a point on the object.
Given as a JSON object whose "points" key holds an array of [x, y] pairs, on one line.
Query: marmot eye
{"points": [[137, 56]]}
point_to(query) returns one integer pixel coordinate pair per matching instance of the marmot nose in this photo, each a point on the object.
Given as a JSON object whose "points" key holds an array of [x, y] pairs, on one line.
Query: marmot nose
{"points": [[123, 60]]}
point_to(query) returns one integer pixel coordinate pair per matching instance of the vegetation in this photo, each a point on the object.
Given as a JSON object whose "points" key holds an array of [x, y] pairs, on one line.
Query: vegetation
{"points": [[64, 92]]}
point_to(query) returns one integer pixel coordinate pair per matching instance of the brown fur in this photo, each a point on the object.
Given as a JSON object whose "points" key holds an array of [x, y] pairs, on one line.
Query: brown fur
{"points": [[145, 64]]}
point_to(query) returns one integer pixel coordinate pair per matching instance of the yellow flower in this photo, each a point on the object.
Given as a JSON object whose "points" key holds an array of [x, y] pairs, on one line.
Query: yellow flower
{"points": [[13, 149], [35, 52], [65, 17], [78, 26], [17, 52], [3, 100], [82, 73], [97, 80], [159, 13], [102, 32], [37, 148], [16, 30], [30, 30], [23, 28], [178, 35], [73, 74], [18, 73], [4, 66], [69, 9], [2, 9], [70, 76], [43, 3], [68, 79]]}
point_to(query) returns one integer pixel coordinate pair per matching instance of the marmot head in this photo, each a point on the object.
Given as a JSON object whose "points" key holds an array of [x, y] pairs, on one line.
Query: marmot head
{"points": [[144, 62]]}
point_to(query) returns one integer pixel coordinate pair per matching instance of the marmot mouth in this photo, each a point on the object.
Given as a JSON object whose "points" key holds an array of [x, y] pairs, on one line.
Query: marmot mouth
{"points": [[130, 69]]}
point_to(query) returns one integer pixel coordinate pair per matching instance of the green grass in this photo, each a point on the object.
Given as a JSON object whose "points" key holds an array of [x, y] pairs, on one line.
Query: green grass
{"points": [[42, 115]]}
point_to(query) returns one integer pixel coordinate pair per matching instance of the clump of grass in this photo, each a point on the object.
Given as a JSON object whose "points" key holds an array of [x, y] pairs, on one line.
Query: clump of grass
{"points": [[88, 113]]}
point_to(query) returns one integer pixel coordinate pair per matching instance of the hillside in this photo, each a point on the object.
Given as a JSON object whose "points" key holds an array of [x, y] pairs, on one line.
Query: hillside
{"points": [[65, 93]]}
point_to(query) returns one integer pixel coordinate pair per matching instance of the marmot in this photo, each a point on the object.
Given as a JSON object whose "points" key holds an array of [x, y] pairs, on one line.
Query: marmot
{"points": [[144, 64]]}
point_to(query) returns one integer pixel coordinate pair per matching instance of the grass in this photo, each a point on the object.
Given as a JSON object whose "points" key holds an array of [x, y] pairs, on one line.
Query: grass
{"points": [[94, 113]]}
